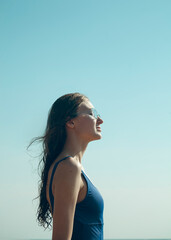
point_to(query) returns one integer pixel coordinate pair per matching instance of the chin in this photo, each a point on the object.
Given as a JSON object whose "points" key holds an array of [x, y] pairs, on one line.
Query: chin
{"points": [[98, 133], [98, 136], [94, 136]]}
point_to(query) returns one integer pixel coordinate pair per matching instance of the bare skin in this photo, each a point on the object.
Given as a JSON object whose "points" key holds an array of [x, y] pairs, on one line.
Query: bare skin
{"points": [[69, 186]]}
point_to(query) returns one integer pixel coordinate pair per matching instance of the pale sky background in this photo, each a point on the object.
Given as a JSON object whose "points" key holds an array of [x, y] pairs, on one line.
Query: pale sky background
{"points": [[118, 53]]}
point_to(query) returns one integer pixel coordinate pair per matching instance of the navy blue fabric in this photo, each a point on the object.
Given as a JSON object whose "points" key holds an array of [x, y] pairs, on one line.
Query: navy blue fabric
{"points": [[88, 219]]}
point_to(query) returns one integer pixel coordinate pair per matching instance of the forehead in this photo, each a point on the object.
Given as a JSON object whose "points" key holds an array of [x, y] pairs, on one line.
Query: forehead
{"points": [[86, 105]]}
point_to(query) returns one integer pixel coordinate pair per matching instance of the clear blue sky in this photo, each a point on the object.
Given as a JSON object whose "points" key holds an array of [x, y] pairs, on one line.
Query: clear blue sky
{"points": [[118, 53]]}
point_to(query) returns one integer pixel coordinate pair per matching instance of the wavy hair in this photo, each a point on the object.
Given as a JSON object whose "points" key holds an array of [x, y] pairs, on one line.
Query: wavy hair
{"points": [[53, 141]]}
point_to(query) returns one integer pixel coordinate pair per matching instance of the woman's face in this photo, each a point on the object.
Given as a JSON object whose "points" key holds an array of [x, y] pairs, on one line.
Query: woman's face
{"points": [[87, 122]]}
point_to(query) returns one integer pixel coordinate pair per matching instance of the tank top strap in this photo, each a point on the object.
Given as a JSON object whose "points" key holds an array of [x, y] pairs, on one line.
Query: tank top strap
{"points": [[51, 180]]}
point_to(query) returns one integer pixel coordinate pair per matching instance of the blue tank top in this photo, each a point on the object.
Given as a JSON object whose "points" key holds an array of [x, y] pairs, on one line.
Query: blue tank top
{"points": [[88, 218]]}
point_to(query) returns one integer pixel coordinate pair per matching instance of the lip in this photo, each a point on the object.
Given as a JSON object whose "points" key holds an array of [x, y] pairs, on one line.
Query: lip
{"points": [[98, 129]]}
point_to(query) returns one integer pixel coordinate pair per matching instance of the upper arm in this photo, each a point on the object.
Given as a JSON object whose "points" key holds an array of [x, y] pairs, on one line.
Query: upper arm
{"points": [[66, 190]]}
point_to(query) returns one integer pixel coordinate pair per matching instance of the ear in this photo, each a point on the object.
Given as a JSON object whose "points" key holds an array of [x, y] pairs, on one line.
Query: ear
{"points": [[70, 124]]}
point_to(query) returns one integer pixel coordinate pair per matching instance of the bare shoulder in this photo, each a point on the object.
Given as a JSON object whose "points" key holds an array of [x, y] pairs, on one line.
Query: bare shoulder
{"points": [[67, 170], [70, 164]]}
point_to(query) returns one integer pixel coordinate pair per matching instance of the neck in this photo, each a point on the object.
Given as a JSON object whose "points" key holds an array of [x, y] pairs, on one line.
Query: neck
{"points": [[74, 147]]}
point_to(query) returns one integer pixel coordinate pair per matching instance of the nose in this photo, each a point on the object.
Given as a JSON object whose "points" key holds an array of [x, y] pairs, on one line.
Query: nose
{"points": [[99, 121]]}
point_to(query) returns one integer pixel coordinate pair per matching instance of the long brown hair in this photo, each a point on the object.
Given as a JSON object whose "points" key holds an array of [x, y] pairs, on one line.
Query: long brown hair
{"points": [[53, 141]]}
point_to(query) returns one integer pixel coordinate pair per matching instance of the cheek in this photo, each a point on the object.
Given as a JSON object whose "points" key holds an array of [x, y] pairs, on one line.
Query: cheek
{"points": [[86, 125]]}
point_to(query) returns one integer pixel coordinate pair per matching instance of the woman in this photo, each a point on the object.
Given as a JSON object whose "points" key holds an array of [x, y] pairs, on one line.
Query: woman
{"points": [[66, 194]]}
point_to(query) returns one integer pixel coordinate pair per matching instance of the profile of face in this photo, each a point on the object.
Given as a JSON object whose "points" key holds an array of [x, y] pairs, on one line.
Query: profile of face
{"points": [[87, 122]]}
